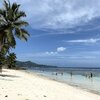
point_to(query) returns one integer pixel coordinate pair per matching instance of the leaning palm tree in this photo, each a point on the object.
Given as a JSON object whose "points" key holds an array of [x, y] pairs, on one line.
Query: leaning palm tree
{"points": [[11, 25]]}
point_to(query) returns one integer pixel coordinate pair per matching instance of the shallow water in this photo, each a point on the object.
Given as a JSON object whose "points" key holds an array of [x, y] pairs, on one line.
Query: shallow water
{"points": [[76, 77]]}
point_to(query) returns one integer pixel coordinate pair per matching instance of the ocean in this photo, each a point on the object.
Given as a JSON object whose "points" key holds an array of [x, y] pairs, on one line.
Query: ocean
{"points": [[85, 78]]}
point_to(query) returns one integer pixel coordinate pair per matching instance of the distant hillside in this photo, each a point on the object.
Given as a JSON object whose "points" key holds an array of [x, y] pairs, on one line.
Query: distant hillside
{"points": [[29, 64]]}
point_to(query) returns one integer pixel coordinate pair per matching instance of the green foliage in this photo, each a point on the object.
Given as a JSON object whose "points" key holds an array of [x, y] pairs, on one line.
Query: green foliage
{"points": [[2, 58], [11, 24], [11, 60]]}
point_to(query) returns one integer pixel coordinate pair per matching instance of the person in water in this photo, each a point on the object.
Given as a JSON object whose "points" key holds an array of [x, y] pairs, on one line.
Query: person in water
{"points": [[91, 75], [71, 74]]}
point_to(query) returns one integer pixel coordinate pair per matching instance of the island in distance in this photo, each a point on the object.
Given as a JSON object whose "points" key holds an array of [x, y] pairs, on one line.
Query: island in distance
{"points": [[29, 64]]}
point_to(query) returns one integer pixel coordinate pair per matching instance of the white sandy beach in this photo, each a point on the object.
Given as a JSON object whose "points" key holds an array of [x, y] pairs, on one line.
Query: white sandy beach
{"points": [[19, 85]]}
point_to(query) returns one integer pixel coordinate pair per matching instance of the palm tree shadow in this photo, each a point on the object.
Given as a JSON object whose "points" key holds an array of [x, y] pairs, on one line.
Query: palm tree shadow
{"points": [[5, 79], [4, 71], [11, 76]]}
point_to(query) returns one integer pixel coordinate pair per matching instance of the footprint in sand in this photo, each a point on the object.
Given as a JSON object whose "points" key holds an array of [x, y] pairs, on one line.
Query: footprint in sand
{"points": [[19, 94], [44, 96], [6, 96]]}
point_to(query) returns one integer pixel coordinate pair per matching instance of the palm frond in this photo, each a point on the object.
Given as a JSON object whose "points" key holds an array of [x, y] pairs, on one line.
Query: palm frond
{"points": [[25, 32], [1, 12], [10, 38], [15, 6], [5, 48], [21, 34], [11, 24], [20, 23], [20, 15], [6, 4], [3, 15]]}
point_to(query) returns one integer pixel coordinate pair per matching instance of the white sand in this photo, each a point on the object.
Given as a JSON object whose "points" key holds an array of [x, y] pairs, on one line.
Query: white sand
{"points": [[20, 85]]}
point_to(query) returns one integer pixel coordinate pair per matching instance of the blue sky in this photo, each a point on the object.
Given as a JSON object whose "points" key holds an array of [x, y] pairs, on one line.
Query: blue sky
{"points": [[63, 32]]}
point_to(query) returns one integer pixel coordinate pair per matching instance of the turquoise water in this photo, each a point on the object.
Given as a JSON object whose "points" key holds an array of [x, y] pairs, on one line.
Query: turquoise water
{"points": [[76, 78]]}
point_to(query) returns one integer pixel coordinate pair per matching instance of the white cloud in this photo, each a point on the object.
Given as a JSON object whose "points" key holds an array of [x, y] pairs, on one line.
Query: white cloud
{"points": [[50, 53], [53, 53], [84, 41], [61, 49], [54, 14], [43, 54]]}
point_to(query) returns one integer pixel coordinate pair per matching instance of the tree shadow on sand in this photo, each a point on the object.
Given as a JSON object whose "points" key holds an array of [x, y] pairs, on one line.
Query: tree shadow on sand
{"points": [[5, 79], [11, 76], [5, 76]]}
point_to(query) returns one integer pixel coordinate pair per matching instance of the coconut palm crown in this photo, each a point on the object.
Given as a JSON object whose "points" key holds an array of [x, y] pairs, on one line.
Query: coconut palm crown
{"points": [[11, 25], [11, 60]]}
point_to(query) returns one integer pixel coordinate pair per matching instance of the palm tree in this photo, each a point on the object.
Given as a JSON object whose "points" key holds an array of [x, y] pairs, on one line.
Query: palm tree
{"points": [[11, 25], [11, 60], [2, 60]]}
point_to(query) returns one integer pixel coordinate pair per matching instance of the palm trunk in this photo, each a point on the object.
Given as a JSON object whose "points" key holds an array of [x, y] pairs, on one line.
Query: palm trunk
{"points": [[1, 40], [0, 68], [1, 45]]}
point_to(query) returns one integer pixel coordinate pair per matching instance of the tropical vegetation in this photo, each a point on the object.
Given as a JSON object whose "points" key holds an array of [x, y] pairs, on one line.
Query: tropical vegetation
{"points": [[11, 27], [11, 60]]}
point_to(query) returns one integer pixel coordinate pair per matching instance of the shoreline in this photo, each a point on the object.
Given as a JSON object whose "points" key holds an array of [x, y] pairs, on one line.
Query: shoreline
{"points": [[73, 85], [66, 83], [23, 85]]}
